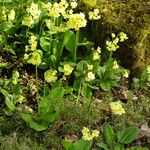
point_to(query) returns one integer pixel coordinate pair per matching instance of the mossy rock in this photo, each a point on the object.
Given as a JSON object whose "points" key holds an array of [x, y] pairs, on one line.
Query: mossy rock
{"points": [[131, 17]]}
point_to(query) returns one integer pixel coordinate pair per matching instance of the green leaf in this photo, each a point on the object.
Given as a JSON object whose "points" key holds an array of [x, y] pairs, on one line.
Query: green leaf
{"points": [[106, 86], [81, 145], [69, 41], [119, 147], [66, 144], [86, 91], [102, 145], [128, 135], [9, 103], [16, 89], [81, 67], [38, 127], [57, 93], [45, 43], [15, 74], [109, 134], [8, 100], [32, 123], [49, 116], [137, 148], [2, 65]]}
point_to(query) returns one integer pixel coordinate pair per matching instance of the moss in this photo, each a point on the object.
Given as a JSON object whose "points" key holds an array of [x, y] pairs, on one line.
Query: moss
{"points": [[131, 17]]}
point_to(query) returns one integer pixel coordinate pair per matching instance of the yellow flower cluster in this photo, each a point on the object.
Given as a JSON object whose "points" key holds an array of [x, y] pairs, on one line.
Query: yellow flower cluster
{"points": [[28, 21], [56, 9], [73, 4], [11, 15], [117, 108], [4, 15], [89, 135], [34, 11], [33, 44], [50, 76], [96, 54], [90, 76], [90, 67], [55, 29], [33, 15], [112, 45], [122, 36], [76, 21], [94, 15], [67, 69], [33, 58]]}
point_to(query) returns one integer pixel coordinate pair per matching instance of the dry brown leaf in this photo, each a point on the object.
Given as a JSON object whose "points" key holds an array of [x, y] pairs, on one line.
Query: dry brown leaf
{"points": [[144, 130]]}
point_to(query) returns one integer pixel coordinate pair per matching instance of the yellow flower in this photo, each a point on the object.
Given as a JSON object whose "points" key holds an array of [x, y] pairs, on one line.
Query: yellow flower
{"points": [[125, 73], [111, 46], [90, 67], [122, 36], [95, 133], [76, 21], [115, 65], [90, 76], [117, 108], [89, 135], [11, 15], [34, 58], [113, 35], [95, 56], [50, 76], [94, 15], [73, 4], [28, 21], [47, 6], [67, 69], [33, 43], [86, 134], [34, 11], [4, 15], [27, 48], [99, 50], [54, 11]]}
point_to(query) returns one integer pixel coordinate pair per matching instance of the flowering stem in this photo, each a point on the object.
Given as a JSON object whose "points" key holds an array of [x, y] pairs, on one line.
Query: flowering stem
{"points": [[79, 91], [36, 74], [110, 55], [44, 87], [76, 45]]}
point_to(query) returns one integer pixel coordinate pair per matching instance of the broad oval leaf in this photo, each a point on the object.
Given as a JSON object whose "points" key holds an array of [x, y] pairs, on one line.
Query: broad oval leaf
{"points": [[128, 135], [109, 134]]}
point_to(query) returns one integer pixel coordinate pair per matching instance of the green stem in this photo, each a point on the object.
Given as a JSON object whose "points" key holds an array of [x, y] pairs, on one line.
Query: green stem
{"points": [[76, 45], [36, 74], [110, 55], [79, 92], [44, 87]]}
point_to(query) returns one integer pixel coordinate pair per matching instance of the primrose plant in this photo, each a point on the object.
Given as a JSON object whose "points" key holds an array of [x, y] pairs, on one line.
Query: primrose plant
{"points": [[49, 36], [143, 81], [83, 144]]}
